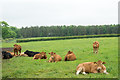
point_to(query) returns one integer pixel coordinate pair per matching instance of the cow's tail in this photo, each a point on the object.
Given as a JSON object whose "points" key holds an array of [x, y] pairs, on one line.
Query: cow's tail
{"points": [[79, 70]]}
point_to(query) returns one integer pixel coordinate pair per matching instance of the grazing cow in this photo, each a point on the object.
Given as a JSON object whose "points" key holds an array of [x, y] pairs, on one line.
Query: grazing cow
{"points": [[30, 53], [54, 57], [70, 56], [91, 67], [95, 47], [6, 55], [17, 48], [41, 55]]}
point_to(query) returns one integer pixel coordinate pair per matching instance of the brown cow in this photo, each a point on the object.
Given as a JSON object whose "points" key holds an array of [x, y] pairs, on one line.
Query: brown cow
{"points": [[91, 67], [54, 57], [17, 48], [95, 47], [41, 55], [70, 56]]}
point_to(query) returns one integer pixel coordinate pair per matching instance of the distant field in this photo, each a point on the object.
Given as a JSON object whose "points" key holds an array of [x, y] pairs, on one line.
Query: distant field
{"points": [[25, 67]]}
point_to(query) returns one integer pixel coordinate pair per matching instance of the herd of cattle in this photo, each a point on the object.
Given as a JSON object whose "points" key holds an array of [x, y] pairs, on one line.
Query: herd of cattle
{"points": [[87, 67]]}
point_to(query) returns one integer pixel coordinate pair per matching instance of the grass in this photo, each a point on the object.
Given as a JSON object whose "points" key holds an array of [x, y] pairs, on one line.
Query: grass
{"points": [[25, 67]]}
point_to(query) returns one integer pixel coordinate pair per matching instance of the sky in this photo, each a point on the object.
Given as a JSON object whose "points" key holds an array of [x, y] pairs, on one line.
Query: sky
{"points": [[22, 13]]}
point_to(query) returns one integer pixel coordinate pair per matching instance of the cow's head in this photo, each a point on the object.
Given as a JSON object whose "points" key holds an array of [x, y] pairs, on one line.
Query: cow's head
{"points": [[52, 54], [99, 65], [69, 52], [15, 45], [43, 54], [95, 44]]}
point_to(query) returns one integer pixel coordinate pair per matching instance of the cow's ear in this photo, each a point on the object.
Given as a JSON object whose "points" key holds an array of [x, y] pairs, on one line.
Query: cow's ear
{"points": [[54, 53], [15, 45], [48, 53], [104, 63], [95, 62]]}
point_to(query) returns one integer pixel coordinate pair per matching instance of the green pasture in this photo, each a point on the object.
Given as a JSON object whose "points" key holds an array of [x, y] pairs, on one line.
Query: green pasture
{"points": [[26, 67]]}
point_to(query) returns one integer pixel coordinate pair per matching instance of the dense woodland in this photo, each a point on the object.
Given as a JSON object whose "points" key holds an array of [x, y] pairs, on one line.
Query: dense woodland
{"points": [[46, 31]]}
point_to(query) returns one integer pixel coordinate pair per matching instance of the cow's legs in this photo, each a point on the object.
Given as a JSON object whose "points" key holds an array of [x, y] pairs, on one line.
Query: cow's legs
{"points": [[105, 72], [14, 52], [83, 72], [97, 50], [79, 70], [17, 52]]}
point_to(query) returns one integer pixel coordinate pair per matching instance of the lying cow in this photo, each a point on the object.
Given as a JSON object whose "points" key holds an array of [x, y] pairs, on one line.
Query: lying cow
{"points": [[17, 48], [22, 54], [41, 55], [6, 55], [30, 53], [54, 57], [70, 56], [95, 47], [91, 67]]}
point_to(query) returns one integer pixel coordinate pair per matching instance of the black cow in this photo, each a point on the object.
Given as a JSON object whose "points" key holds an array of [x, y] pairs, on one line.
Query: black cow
{"points": [[30, 53], [6, 55]]}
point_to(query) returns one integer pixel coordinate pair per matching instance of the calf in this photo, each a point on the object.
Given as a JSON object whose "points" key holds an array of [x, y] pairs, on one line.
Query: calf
{"points": [[17, 48], [95, 47], [70, 56], [30, 53], [54, 57], [91, 67], [6, 55], [41, 55]]}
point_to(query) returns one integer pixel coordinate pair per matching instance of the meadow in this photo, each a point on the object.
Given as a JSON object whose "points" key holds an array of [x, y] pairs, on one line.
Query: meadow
{"points": [[26, 67]]}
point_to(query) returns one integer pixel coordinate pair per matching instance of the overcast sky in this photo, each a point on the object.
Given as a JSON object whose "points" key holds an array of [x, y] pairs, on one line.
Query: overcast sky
{"points": [[58, 12]]}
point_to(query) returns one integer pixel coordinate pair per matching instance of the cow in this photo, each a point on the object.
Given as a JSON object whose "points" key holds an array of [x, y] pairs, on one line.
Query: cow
{"points": [[54, 57], [95, 47], [70, 56], [22, 54], [30, 53], [41, 55], [91, 67], [17, 48], [6, 55]]}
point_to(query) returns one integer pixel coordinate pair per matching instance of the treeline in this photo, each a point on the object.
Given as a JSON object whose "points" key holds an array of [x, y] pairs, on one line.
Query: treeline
{"points": [[9, 31], [49, 31]]}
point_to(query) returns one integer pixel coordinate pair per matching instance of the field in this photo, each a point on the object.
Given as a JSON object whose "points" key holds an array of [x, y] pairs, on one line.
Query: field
{"points": [[25, 67]]}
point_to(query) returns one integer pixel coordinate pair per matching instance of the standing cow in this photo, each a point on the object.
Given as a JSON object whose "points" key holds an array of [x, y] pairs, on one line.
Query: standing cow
{"points": [[95, 47], [17, 48], [70, 56], [91, 67]]}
